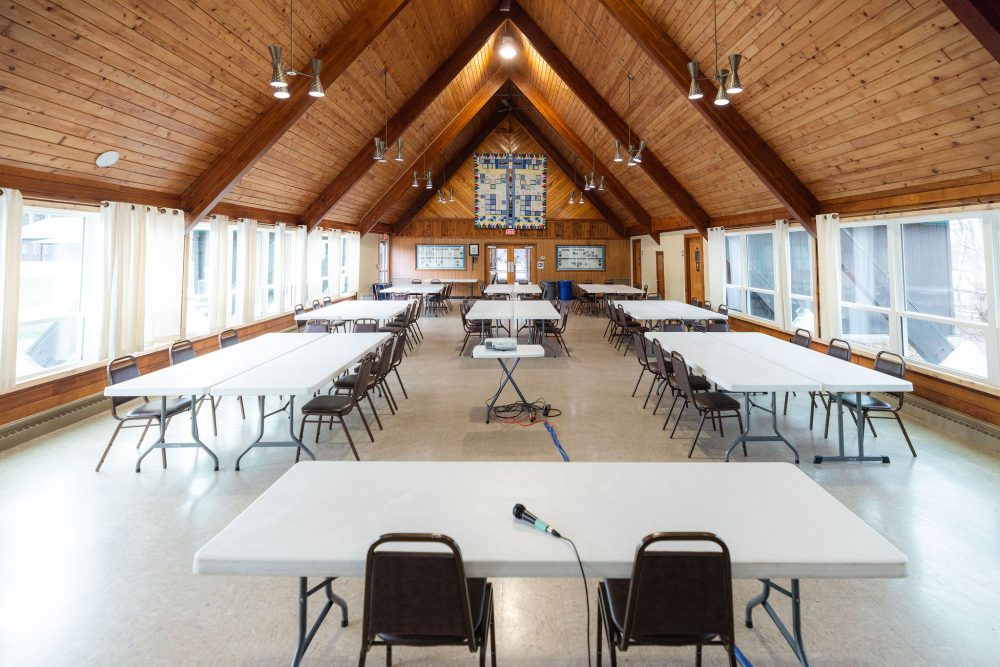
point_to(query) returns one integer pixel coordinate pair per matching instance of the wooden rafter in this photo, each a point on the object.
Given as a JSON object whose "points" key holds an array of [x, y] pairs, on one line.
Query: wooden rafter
{"points": [[427, 93], [587, 94], [726, 121], [226, 171], [446, 136], [982, 19], [452, 167], [552, 151], [580, 147]]}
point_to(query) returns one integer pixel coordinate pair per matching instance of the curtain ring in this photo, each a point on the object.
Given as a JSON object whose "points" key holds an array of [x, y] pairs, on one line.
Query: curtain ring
{"points": [[161, 210]]}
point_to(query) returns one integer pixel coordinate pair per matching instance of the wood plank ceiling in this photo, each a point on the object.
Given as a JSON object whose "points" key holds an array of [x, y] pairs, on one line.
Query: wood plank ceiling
{"points": [[856, 98]]}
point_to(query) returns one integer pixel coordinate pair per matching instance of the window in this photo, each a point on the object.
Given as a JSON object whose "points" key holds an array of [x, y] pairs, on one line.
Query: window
{"points": [[290, 267], [921, 287], [197, 292], [264, 297], [324, 266], [802, 305], [750, 274], [383, 261], [344, 265], [50, 327]]}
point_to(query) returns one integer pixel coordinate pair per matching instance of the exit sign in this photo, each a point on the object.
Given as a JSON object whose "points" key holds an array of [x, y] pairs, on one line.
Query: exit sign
{"points": [[510, 232]]}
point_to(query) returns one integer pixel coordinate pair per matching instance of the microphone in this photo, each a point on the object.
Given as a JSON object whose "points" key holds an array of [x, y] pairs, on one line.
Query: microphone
{"points": [[522, 513]]}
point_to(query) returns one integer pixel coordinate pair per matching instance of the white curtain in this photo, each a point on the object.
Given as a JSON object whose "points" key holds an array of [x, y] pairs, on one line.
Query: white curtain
{"points": [[334, 262], [218, 272], [125, 267], [11, 205], [314, 261], [782, 275], [164, 274], [299, 252], [279, 268], [716, 265], [828, 267], [246, 271], [353, 261]]}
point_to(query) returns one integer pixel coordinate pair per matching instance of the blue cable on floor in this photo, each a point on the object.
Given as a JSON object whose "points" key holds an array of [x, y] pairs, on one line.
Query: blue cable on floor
{"points": [[555, 439]]}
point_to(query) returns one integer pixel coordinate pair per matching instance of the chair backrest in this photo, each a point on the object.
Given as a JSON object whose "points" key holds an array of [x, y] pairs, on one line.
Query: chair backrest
{"points": [[364, 374], [892, 364], [398, 348], [653, 297], [716, 326], [707, 305], [698, 326], [327, 300], [681, 377], [416, 281], [317, 304], [411, 593], [840, 349], [384, 361], [365, 325], [723, 309], [564, 312], [802, 337], [663, 366], [435, 281], [696, 302], [679, 593], [299, 309], [639, 347], [181, 350], [521, 281], [674, 326], [228, 338], [317, 326], [120, 370]]}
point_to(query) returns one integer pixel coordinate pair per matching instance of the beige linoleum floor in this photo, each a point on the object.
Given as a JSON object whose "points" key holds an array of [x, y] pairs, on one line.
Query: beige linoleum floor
{"points": [[95, 568]]}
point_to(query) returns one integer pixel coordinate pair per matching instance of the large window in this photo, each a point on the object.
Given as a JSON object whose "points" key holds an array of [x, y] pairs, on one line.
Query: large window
{"points": [[265, 300], [345, 285], [197, 288], [290, 268], [50, 327], [750, 274], [383, 260], [921, 287]]}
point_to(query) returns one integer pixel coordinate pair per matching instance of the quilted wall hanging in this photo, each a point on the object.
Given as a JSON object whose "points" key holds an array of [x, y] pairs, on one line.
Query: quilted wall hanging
{"points": [[510, 190]]}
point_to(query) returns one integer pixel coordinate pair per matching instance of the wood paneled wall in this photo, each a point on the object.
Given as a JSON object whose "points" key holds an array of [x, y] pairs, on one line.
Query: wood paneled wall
{"points": [[403, 251], [967, 400]]}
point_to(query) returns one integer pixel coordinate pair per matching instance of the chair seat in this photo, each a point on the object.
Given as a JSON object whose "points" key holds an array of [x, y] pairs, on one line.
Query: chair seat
{"points": [[615, 594], [327, 404], [338, 323], [477, 603], [867, 403], [715, 400], [347, 381], [175, 406]]}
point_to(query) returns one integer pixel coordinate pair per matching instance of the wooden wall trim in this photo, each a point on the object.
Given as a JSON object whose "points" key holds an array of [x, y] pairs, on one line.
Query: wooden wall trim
{"points": [[969, 398]]}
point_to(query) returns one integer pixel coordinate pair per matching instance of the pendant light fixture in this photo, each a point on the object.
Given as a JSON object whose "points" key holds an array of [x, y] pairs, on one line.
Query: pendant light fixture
{"points": [[382, 143], [727, 80], [634, 152], [590, 182], [442, 198], [508, 49], [279, 75], [427, 177]]}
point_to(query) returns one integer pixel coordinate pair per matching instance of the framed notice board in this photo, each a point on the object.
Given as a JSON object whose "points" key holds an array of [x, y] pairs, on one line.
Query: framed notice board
{"points": [[441, 257], [579, 258]]}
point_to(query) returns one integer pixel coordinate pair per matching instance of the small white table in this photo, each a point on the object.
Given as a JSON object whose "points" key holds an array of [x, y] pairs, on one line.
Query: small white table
{"points": [[512, 290], [652, 311], [592, 288], [522, 352], [416, 288], [786, 526], [471, 282], [300, 372], [355, 310], [196, 377], [532, 309], [736, 370]]}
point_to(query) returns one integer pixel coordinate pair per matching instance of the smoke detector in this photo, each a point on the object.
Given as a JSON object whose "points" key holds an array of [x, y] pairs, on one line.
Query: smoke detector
{"points": [[107, 159]]}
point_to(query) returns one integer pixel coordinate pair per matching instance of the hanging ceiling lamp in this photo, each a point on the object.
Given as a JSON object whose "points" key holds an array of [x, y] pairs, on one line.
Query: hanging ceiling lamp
{"points": [[441, 197], [382, 143], [634, 152], [427, 178], [508, 49], [279, 75], [590, 182], [727, 80]]}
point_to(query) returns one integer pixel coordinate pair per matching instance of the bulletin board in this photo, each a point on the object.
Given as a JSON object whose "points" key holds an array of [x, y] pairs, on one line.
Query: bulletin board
{"points": [[579, 258], [441, 257]]}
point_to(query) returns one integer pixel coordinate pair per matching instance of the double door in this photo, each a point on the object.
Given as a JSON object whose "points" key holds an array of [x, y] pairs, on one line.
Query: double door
{"points": [[509, 264]]}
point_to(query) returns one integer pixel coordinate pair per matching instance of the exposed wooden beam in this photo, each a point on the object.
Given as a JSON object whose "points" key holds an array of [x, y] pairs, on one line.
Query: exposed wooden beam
{"points": [[427, 93], [982, 19], [226, 171], [726, 121], [587, 94], [552, 151], [580, 147], [456, 162], [446, 136]]}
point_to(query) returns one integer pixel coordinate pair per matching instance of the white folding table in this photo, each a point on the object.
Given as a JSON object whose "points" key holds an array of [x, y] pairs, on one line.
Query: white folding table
{"points": [[197, 376], [653, 311], [471, 282], [355, 310], [300, 372], [786, 527], [513, 310], [512, 289], [416, 288], [837, 377], [604, 290], [521, 352], [736, 370]]}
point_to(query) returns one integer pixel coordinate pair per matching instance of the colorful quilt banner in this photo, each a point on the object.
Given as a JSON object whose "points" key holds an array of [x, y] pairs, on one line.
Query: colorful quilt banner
{"points": [[510, 190]]}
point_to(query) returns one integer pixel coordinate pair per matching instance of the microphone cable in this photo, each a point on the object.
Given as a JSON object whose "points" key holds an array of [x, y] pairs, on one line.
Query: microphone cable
{"points": [[586, 593]]}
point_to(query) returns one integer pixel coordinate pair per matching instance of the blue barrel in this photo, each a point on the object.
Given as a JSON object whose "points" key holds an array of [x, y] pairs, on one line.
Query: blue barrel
{"points": [[565, 290]]}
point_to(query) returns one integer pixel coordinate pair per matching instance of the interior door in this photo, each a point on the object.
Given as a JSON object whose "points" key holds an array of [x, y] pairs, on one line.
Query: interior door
{"points": [[661, 287], [694, 268], [509, 264], [636, 263]]}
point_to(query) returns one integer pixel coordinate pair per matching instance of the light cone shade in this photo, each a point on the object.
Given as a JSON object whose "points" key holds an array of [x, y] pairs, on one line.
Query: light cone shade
{"points": [[694, 92], [399, 150], [638, 154], [451, 195], [734, 85], [581, 197], [572, 197], [316, 86], [721, 99], [277, 69], [430, 185], [600, 188], [618, 151], [415, 184], [282, 93]]}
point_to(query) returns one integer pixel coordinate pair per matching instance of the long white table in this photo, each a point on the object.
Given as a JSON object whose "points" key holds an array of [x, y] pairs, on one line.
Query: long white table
{"points": [[416, 288], [512, 289], [786, 527], [592, 288], [836, 376], [196, 377], [513, 310], [736, 370], [653, 311], [302, 371], [471, 282], [355, 310]]}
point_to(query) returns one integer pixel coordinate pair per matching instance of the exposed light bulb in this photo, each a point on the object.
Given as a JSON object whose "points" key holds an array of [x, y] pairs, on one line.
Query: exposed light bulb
{"points": [[507, 48]]}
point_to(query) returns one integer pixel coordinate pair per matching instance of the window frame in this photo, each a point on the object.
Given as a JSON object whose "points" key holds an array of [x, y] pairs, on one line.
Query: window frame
{"points": [[745, 289]]}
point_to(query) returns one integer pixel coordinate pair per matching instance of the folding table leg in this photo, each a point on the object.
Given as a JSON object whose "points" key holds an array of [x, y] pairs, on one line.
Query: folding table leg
{"points": [[293, 439], [745, 436], [305, 638], [162, 443], [794, 637], [842, 455]]}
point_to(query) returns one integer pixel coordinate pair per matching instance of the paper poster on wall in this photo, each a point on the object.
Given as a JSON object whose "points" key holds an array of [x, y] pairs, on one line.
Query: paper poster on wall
{"points": [[448, 257], [579, 258]]}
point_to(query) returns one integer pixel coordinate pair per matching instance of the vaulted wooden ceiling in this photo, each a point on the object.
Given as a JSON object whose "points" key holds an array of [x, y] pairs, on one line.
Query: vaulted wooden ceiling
{"points": [[843, 100]]}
